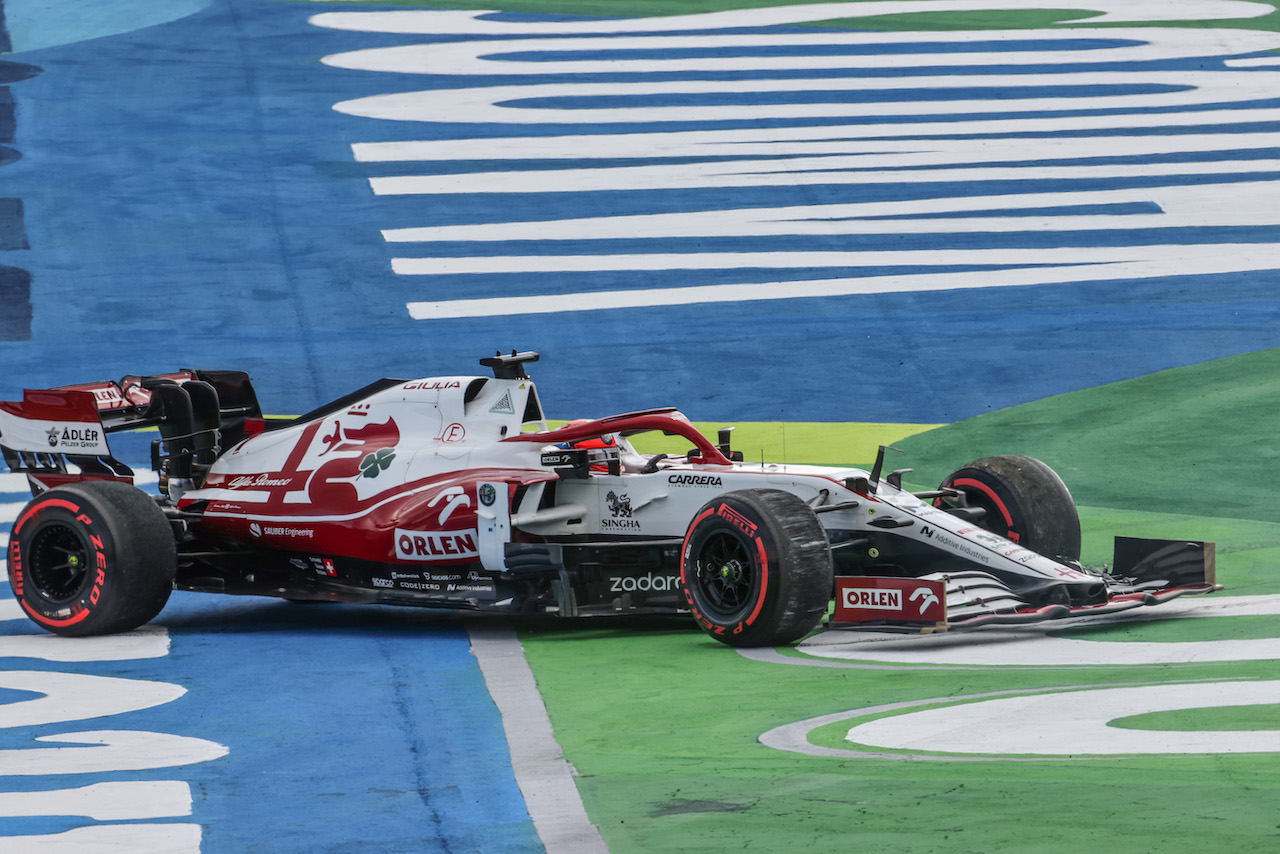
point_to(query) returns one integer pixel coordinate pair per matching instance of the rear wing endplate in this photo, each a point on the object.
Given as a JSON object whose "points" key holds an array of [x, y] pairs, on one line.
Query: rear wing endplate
{"points": [[59, 435]]}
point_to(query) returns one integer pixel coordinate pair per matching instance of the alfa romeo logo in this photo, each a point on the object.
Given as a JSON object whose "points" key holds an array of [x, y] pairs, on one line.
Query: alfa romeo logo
{"points": [[377, 462]]}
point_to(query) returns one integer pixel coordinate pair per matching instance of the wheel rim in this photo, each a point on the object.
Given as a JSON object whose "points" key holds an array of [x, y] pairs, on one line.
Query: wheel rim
{"points": [[57, 563], [726, 575]]}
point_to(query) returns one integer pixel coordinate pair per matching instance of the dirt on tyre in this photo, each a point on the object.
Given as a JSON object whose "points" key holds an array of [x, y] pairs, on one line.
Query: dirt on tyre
{"points": [[1024, 500], [756, 568], [92, 558]]}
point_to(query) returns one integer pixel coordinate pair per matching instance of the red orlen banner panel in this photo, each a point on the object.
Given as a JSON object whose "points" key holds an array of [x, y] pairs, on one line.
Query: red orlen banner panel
{"points": [[862, 600]]}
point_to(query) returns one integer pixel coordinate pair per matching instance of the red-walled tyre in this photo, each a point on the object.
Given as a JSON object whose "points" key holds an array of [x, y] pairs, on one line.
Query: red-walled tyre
{"points": [[1024, 500], [92, 558], [756, 568]]}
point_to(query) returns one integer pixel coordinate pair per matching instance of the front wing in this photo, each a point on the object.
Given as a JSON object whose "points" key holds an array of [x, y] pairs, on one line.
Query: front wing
{"points": [[1147, 572]]}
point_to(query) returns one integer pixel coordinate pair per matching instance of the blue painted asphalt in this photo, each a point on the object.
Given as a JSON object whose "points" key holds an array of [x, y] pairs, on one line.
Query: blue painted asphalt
{"points": [[347, 727], [210, 213], [189, 198]]}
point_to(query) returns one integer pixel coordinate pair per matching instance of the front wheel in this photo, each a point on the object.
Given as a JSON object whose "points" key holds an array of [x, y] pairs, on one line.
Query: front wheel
{"points": [[92, 558], [756, 568], [1022, 499]]}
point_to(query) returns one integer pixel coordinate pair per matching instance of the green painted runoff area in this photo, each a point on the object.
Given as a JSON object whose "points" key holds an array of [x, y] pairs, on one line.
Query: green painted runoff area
{"points": [[662, 723]]}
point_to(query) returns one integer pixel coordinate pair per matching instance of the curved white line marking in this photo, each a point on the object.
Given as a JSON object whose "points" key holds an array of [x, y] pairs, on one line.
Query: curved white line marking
{"points": [[1075, 722]]}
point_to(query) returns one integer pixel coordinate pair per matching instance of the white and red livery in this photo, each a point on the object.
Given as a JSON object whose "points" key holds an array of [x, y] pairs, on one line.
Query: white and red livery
{"points": [[454, 492]]}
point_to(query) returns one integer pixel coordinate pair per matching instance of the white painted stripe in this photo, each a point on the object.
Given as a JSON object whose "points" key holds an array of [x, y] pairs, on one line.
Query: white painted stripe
{"points": [[938, 50], [1262, 257], [768, 260], [927, 141], [1204, 203], [471, 23], [78, 696], [1255, 62], [541, 771], [856, 170], [10, 482], [150, 641], [1064, 76], [101, 751], [113, 839], [118, 801], [1030, 93]]}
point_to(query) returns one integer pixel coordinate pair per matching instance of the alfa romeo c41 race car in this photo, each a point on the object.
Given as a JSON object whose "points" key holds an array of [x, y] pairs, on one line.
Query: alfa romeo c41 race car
{"points": [[453, 492]]}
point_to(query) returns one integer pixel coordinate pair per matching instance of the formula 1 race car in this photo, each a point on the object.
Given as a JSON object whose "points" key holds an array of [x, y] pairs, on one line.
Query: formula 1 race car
{"points": [[453, 492]]}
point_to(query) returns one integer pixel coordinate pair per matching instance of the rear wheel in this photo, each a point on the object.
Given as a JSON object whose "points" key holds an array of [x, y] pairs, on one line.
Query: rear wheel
{"points": [[1022, 499], [92, 558], [756, 568]]}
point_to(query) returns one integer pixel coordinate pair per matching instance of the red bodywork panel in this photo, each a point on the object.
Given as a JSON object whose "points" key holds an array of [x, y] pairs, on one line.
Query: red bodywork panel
{"points": [[870, 599], [428, 521]]}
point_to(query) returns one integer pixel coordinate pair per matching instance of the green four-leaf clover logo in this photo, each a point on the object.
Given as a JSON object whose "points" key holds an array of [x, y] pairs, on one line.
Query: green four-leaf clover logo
{"points": [[377, 462]]}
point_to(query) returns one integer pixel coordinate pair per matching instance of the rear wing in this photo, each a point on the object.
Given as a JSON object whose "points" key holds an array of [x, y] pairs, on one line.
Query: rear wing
{"points": [[59, 435]]}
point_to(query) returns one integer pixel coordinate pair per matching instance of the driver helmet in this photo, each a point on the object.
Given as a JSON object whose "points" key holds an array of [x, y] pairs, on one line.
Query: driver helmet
{"points": [[600, 448]]}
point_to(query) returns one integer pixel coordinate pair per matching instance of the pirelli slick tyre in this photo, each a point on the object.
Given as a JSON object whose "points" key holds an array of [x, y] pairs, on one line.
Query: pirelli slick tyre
{"points": [[756, 568], [92, 558], [1024, 500]]}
